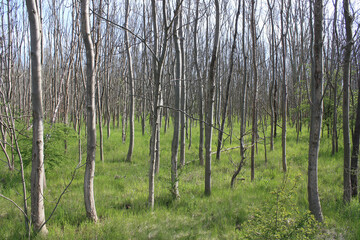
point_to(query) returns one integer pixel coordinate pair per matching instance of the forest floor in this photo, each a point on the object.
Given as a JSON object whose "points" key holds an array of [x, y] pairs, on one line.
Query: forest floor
{"points": [[273, 206]]}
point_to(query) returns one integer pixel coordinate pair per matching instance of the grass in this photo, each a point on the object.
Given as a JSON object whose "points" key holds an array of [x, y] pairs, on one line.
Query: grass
{"points": [[121, 191]]}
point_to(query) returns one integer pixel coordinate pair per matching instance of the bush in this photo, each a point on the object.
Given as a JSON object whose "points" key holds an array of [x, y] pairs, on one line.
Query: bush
{"points": [[54, 144], [280, 218]]}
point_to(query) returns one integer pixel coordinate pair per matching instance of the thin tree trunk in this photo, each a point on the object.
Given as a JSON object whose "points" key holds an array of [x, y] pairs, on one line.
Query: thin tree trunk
{"points": [[131, 86], [177, 89], [183, 120], [316, 112], [273, 82], [243, 92], [255, 77], [346, 82], [335, 116], [209, 107], [99, 95], [224, 110], [91, 113], [37, 171], [200, 88], [355, 149], [158, 62], [284, 94]]}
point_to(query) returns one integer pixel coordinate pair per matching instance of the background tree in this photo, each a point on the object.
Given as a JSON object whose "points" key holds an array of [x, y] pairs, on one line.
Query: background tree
{"points": [[346, 82], [255, 79], [131, 84]]}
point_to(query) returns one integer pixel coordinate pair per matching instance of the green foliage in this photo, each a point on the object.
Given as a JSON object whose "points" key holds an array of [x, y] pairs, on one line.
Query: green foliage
{"points": [[121, 192], [55, 138], [280, 218]]}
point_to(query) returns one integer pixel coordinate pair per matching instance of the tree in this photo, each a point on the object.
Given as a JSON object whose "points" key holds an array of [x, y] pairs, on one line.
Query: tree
{"points": [[284, 94], [177, 90], [231, 67], [346, 83], [209, 106], [272, 93], [243, 91], [97, 44], [91, 113], [183, 123], [316, 112], [200, 87], [158, 63], [355, 149], [37, 171], [255, 78], [131, 85]]}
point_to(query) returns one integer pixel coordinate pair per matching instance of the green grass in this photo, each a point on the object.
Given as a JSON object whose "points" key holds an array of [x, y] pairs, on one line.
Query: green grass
{"points": [[121, 191]]}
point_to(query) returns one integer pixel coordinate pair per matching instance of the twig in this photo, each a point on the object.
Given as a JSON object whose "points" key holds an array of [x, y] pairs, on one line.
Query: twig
{"points": [[194, 118], [15, 205], [228, 149], [63, 192]]}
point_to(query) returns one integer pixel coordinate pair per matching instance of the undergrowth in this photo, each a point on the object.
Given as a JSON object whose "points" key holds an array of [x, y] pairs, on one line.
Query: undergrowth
{"points": [[273, 206]]}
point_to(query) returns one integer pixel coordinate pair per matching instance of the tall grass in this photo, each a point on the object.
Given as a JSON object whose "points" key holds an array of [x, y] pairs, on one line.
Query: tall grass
{"points": [[121, 191]]}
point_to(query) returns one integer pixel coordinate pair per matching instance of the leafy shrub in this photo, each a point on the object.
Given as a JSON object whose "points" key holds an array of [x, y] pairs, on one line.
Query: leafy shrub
{"points": [[280, 218], [54, 144]]}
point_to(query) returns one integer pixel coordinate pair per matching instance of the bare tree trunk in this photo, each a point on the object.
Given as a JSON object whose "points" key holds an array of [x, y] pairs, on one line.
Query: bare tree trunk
{"points": [[99, 95], [316, 111], [355, 149], [144, 57], [91, 113], [334, 139], [131, 86], [243, 93], [284, 94], [177, 89], [209, 107], [346, 82], [37, 171], [233, 47], [273, 82], [200, 88], [158, 62], [254, 107]]}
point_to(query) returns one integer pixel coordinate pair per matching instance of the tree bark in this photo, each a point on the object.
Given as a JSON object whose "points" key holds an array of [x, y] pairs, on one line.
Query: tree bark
{"points": [[183, 120], [209, 107], [243, 91], [355, 149], [131, 85], [273, 82], [158, 61], [334, 139], [346, 83], [37, 171], [316, 112], [255, 78], [284, 94], [231, 67], [177, 89], [200, 88], [91, 113]]}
